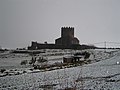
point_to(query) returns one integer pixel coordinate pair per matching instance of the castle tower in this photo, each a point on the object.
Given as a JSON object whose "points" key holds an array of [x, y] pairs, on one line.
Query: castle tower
{"points": [[67, 37], [67, 32]]}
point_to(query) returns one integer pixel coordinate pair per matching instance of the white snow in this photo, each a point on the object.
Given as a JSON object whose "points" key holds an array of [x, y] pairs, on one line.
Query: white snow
{"points": [[102, 75]]}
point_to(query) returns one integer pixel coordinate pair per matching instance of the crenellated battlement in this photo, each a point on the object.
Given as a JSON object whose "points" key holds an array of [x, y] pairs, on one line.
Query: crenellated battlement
{"points": [[67, 32], [67, 28]]}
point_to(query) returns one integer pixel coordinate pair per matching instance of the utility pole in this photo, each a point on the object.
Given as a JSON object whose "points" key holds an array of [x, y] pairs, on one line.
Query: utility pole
{"points": [[105, 45]]}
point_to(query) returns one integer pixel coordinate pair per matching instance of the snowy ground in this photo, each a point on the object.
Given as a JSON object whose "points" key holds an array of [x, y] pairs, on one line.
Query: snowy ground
{"points": [[104, 74]]}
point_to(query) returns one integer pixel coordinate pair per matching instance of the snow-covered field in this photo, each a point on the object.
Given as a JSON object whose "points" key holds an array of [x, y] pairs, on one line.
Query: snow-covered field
{"points": [[102, 74]]}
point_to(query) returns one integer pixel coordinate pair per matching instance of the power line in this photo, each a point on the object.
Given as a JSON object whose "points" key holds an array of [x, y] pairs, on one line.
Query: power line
{"points": [[107, 44]]}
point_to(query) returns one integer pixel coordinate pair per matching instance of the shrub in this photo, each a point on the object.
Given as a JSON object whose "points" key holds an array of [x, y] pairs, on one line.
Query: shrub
{"points": [[24, 62], [2, 70]]}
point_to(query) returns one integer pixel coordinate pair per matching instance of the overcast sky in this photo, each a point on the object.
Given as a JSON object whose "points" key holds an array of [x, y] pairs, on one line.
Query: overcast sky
{"points": [[23, 21]]}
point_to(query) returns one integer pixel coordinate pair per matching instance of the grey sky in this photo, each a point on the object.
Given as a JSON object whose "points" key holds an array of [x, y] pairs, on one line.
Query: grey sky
{"points": [[23, 21]]}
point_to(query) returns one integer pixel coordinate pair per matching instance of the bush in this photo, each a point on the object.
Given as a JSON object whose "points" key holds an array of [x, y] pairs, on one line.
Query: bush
{"points": [[87, 55], [2, 70], [24, 62]]}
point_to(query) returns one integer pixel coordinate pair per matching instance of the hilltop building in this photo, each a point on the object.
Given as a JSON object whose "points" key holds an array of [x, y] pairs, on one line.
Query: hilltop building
{"points": [[66, 41]]}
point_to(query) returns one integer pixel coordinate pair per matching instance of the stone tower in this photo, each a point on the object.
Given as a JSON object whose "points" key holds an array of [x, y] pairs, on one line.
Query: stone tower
{"points": [[67, 32], [67, 37]]}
